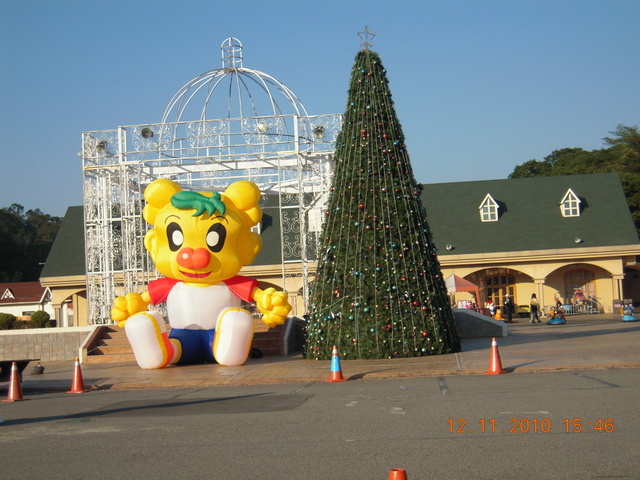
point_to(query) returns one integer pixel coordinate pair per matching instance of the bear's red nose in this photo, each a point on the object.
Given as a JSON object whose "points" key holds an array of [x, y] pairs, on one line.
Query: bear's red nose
{"points": [[194, 259]]}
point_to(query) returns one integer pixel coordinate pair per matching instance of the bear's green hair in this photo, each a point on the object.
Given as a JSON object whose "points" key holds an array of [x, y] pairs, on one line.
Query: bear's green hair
{"points": [[186, 200]]}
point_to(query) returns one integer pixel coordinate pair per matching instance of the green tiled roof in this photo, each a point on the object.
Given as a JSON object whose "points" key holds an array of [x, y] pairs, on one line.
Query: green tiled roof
{"points": [[530, 216], [530, 219], [66, 257]]}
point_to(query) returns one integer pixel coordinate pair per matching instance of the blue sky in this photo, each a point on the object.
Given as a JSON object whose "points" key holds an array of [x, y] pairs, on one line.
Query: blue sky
{"points": [[479, 86]]}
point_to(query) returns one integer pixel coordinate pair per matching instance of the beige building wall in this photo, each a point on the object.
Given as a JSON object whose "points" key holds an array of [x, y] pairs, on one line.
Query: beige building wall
{"points": [[543, 272]]}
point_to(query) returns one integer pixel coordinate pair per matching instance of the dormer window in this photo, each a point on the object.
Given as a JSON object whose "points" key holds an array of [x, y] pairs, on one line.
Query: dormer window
{"points": [[488, 209], [570, 204], [8, 294]]}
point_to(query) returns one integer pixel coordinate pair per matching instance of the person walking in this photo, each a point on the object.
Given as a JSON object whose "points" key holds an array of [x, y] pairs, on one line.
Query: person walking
{"points": [[535, 310], [508, 308]]}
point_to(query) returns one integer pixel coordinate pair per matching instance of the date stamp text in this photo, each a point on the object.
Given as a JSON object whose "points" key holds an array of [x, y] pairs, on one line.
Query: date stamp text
{"points": [[531, 425]]}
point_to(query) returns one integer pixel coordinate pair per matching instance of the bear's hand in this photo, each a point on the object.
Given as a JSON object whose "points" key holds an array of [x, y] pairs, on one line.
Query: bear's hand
{"points": [[273, 305], [130, 304]]}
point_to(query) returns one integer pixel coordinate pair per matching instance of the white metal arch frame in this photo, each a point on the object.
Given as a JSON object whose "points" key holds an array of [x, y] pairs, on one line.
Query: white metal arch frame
{"points": [[232, 71], [287, 152]]}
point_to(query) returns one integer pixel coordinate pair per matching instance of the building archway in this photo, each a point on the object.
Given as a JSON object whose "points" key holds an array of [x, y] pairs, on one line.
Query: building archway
{"points": [[495, 283], [69, 305], [581, 284]]}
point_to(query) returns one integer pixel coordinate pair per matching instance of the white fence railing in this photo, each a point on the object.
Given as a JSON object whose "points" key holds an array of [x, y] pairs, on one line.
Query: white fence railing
{"points": [[573, 309]]}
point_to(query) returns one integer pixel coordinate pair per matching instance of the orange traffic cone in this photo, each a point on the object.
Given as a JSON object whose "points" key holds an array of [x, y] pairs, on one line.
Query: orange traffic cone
{"points": [[77, 386], [398, 474], [495, 365], [15, 389], [336, 371]]}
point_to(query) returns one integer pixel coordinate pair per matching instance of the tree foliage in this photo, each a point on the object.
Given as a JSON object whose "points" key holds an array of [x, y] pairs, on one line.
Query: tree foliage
{"points": [[25, 241], [628, 139], [7, 321], [378, 291], [39, 319], [622, 156]]}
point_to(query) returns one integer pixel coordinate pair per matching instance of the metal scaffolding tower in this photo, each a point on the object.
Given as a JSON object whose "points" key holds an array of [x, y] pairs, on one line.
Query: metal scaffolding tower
{"points": [[214, 131]]}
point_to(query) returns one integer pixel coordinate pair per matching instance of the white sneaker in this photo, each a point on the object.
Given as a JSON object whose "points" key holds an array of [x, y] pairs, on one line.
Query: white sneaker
{"points": [[148, 337], [234, 334]]}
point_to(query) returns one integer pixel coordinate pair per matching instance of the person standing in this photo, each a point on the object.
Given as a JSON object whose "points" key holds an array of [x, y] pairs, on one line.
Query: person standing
{"points": [[508, 308], [535, 309]]}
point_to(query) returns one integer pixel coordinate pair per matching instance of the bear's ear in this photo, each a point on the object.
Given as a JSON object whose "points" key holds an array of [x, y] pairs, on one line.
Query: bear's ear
{"points": [[245, 196], [150, 242], [158, 194]]}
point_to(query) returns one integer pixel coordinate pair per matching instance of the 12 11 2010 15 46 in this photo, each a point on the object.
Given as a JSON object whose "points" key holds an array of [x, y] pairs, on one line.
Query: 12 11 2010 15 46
{"points": [[530, 425]]}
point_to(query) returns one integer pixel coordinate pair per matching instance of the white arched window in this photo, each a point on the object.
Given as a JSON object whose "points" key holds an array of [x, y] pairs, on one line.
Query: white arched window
{"points": [[570, 204], [488, 209]]}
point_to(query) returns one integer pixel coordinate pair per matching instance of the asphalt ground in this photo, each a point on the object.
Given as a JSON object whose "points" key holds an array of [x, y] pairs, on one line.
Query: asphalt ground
{"points": [[585, 342], [551, 425]]}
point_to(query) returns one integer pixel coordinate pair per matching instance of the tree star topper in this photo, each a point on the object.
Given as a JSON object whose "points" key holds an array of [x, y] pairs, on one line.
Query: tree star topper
{"points": [[367, 37]]}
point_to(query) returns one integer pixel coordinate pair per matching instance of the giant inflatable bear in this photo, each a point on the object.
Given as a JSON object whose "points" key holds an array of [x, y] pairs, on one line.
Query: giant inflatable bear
{"points": [[199, 243]]}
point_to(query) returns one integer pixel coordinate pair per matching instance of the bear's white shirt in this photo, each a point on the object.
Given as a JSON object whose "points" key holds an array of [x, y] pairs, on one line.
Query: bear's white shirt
{"points": [[198, 308]]}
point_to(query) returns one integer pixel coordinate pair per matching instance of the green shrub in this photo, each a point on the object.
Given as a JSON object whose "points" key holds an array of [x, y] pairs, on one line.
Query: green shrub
{"points": [[7, 321], [39, 319]]}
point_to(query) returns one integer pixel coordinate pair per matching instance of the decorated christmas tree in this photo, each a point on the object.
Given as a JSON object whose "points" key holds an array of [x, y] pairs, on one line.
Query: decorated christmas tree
{"points": [[378, 290]]}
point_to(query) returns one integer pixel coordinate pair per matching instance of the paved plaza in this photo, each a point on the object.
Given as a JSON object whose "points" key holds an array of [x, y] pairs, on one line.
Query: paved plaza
{"points": [[585, 342]]}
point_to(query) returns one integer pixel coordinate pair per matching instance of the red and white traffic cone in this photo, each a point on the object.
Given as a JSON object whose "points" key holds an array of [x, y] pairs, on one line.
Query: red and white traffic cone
{"points": [[77, 385], [495, 365], [15, 389], [336, 371]]}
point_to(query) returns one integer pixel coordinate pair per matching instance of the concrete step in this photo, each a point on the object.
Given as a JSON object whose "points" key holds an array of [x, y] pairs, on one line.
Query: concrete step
{"points": [[110, 358], [111, 350], [113, 342], [269, 340], [114, 333], [111, 346]]}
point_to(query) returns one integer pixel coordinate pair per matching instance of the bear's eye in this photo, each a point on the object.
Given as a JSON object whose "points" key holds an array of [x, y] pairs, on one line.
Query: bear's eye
{"points": [[216, 236], [175, 236]]}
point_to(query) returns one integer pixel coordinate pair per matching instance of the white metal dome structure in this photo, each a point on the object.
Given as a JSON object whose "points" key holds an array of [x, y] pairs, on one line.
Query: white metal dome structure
{"points": [[197, 98], [224, 125]]}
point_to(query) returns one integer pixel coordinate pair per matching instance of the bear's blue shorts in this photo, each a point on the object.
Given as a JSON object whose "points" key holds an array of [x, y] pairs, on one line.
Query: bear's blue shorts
{"points": [[197, 345]]}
